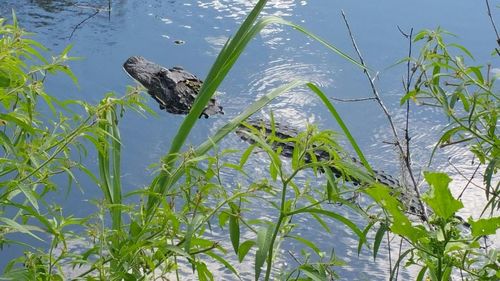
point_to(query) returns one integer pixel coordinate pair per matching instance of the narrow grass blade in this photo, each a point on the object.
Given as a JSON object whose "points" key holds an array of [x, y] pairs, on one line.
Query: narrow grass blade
{"points": [[16, 227], [341, 123], [226, 58], [334, 216]]}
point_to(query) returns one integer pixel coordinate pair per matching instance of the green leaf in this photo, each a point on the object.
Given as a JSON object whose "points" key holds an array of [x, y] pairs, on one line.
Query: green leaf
{"points": [[7, 144], [31, 195], [467, 52], [224, 262], [20, 228], [234, 227], [306, 242], [331, 184], [312, 273], [439, 197], [484, 227], [321, 222], [223, 218], [378, 239], [244, 248], [401, 224], [334, 216], [410, 95], [246, 154], [397, 265], [135, 228], [365, 232], [263, 244], [11, 118], [177, 250], [341, 123], [192, 226], [477, 72], [489, 172], [421, 274], [203, 273]]}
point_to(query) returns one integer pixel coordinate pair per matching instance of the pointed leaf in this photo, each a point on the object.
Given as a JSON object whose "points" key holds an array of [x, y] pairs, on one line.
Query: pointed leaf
{"points": [[263, 244], [378, 239], [244, 248], [234, 228]]}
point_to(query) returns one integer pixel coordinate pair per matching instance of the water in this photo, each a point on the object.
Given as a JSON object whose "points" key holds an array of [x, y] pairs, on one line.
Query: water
{"points": [[154, 28]]}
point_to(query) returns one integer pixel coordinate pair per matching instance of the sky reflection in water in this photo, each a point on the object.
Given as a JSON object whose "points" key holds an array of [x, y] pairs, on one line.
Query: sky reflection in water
{"points": [[278, 55]]}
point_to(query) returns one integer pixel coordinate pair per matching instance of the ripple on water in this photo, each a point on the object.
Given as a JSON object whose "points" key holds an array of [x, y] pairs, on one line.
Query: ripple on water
{"points": [[290, 106], [239, 8]]}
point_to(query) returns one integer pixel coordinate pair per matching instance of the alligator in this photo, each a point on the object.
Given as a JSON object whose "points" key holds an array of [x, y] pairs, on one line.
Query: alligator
{"points": [[174, 89], [282, 142]]}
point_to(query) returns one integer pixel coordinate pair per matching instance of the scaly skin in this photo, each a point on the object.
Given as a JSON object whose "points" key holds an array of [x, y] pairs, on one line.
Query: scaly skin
{"points": [[174, 89], [284, 132]]}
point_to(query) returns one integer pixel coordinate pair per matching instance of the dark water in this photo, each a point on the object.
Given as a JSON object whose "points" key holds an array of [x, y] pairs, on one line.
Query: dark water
{"points": [[153, 28]]}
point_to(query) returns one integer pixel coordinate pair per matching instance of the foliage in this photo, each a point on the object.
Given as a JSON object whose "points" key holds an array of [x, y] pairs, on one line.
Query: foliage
{"points": [[443, 245], [466, 94], [167, 224], [173, 221], [38, 147]]}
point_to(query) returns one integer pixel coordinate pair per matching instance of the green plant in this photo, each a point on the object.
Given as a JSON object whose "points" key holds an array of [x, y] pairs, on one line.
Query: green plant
{"points": [[466, 94], [43, 138], [173, 220], [442, 245], [169, 219]]}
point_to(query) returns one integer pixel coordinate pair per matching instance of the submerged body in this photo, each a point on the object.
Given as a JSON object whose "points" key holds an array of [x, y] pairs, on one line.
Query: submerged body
{"points": [[174, 89], [281, 141]]}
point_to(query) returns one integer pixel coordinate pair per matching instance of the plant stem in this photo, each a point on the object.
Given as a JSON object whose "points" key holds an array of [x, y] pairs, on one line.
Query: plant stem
{"points": [[389, 118], [277, 228]]}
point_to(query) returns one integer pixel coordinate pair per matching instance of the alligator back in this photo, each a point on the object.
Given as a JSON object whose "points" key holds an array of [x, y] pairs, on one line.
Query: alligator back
{"points": [[283, 136]]}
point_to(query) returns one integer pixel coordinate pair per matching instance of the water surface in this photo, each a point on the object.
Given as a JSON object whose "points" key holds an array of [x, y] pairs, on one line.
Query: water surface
{"points": [[105, 39]]}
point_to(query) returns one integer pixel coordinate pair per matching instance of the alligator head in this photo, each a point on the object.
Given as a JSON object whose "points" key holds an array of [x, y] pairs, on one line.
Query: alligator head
{"points": [[174, 89]]}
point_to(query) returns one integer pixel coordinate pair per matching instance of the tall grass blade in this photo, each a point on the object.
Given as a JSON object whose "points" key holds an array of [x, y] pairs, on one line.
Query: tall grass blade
{"points": [[14, 226], [342, 125], [218, 72], [115, 154], [109, 152]]}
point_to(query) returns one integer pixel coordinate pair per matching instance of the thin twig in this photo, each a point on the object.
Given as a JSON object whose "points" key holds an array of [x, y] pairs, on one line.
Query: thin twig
{"points": [[97, 11], [407, 157], [442, 145], [399, 254], [109, 10], [402, 32], [469, 180], [389, 118], [353, 100], [494, 26]]}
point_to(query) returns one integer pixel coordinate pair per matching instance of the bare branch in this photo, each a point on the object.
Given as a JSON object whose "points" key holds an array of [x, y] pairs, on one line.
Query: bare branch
{"points": [[353, 100], [403, 33], [469, 179], [402, 152], [494, 26], [97, 11]]}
